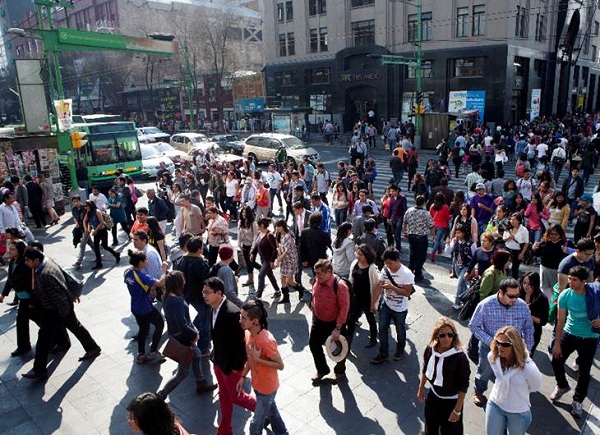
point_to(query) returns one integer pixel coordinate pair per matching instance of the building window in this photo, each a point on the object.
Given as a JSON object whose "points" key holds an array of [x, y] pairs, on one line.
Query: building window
{"points": [[317, 7], [538, 67], [426, 70], [282, 46], [361, 3], [286, 78], [596, 28], [412, 28], [291, 44], [280, 13], [289, 100], [462, 18], [289, 11], [469, 67], [314, 41], [519, 64], [323, 39], [594, 53], [540, 24], [478, 20], [426, 27], [364, 33], [522, 23], [318, 76]]}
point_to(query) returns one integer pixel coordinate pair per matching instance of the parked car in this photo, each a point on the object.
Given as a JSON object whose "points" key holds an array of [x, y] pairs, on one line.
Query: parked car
{"points": [[168, 151], [262, 147], [230, 143], [186, 141], [151, 160], [152, 134]]}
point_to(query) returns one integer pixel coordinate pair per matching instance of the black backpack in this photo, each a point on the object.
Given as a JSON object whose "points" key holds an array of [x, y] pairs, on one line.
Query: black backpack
{"points": [[214, 270], [74, 285]]}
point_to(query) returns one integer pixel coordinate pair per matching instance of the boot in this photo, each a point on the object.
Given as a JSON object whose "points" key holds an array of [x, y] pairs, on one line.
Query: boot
{"points": [[204, 387], [286, 296], [298, 287]]}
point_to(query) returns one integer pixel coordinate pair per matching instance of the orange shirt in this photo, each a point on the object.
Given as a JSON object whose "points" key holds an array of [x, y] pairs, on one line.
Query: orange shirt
{"points": [[401, 152], [137, 225], [264, 379]]}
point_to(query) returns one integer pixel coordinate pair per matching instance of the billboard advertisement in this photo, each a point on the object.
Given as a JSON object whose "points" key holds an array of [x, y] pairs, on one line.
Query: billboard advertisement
{"points": [[536, 95], [461, 101]]}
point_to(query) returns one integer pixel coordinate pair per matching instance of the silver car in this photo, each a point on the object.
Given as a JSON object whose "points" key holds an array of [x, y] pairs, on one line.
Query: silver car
{"points": [[262, 148]]}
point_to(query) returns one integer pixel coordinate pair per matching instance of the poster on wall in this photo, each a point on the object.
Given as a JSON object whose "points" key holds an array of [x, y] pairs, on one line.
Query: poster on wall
{"points": [[65, 116], [282, 124], [536, 95], [460, 101]]}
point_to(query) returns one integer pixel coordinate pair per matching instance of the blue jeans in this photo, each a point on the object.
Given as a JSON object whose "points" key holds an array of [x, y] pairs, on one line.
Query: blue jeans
{"points": [[535, 236], [440, 236], [398, 175], [340, 216], [266, 409], [386, 315], [461, 287], [484, 370], [498, 421], [398, 233]]}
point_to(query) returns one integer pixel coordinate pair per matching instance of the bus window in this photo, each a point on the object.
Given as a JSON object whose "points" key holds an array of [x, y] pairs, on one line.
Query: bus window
{"points": [[104, 151]]}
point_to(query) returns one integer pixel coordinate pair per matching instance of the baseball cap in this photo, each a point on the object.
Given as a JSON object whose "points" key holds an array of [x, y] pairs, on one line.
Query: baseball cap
{"points": [[480, 186]]}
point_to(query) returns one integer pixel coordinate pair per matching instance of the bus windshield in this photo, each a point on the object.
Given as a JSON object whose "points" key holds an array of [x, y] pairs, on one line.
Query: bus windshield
{"points": [[114, 147]]}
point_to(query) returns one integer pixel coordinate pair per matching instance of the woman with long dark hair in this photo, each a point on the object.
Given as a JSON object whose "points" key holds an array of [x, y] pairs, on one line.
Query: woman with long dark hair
{"points": [[553, 247], [516, 240], [510, 191], [156, 237], [247, 232], [116, 206], [559, 210], [538, 305], [340, 203], [181, 328], [446, 368], [536, 212], [150, 415], [364, 277], [19, 280], [343, 250], [94, 223], [265, 247]]}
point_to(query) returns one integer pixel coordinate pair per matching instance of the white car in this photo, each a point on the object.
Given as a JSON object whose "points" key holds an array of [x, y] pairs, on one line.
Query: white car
{"points": [[262, 148], [151, 160], [152, 134], [186, 141], [167, 150]]}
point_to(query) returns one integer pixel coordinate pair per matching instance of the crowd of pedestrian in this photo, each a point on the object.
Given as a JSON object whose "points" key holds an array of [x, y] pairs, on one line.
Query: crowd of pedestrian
{"points": [[349, 241]]}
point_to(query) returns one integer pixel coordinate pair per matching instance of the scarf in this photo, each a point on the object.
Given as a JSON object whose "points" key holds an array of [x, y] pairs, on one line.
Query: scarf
{"points": [[439, 373], [503, 378]]}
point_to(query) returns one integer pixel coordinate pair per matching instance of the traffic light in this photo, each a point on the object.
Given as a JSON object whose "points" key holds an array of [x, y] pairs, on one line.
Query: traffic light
{"points": [[78, 139], [419, 98], [418, 108]]}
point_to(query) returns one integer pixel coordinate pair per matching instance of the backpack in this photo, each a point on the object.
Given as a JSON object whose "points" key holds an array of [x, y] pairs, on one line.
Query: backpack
{"points": [[470, 299], [214, 270], [108, 221], [74, 285], [336, 281]]}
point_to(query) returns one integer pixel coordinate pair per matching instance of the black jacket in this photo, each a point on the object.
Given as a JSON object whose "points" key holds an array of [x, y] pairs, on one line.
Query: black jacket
{"points": [[313, 245], [158, 208], [229, 348]]}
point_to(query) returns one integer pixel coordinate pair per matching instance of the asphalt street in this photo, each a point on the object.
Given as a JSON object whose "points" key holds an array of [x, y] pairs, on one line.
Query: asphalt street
{"points": [[90, 397]]}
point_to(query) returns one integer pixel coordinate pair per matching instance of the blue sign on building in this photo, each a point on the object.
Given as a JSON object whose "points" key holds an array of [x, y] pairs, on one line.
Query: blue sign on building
{"points": [[252, 105]]}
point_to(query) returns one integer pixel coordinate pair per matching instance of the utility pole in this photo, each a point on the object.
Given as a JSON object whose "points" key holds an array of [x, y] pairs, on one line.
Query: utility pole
{"points": [[415, 62], [188, 82]]}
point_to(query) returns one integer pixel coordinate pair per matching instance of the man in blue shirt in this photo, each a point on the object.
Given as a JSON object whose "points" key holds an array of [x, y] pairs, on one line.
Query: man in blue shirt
{"points": [[318, 205], [482, 207]]}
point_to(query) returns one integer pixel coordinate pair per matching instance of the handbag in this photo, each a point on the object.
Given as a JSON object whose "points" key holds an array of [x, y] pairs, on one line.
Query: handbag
{"points": [[178, 352]]}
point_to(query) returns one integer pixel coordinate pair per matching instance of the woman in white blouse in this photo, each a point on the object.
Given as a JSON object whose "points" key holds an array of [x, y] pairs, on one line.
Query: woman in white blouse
{"points": [[516, 240], [517, 376]]}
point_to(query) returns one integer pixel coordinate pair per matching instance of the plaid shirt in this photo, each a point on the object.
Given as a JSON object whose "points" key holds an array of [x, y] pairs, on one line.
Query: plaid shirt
{"points": [[490, 315], [418, 221]]}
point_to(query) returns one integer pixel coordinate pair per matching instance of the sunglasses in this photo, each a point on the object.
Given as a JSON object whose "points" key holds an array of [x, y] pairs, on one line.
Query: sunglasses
{"points": [[446, 334], [511, 296], [504, 344]]}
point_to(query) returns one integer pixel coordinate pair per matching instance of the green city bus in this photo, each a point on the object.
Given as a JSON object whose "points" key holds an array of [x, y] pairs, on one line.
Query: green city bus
{"points": [[112, 145]]}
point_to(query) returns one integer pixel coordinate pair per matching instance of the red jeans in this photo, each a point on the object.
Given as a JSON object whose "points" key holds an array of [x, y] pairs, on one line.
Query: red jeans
{"points": [[228, 396]]}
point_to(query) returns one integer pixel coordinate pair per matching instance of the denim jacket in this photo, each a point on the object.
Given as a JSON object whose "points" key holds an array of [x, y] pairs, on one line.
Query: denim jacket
{"points": [[592, 302]]}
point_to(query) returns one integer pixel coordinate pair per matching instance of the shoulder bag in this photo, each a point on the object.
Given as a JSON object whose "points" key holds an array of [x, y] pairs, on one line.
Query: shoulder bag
{"points": [[178, 352]]}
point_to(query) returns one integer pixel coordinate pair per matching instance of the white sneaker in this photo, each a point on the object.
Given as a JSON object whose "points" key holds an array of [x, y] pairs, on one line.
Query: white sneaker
{"points": [[456, 307], [575, 366]]}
